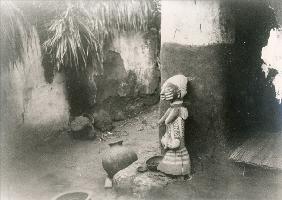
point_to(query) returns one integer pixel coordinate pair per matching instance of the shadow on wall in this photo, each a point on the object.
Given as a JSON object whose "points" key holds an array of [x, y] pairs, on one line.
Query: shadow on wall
{"points": [[81, 91], [130, 70], [117, 81], [230, 94], [250, 98], [204, 127]]}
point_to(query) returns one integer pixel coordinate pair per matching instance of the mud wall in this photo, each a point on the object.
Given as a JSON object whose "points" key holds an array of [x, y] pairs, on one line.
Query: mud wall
{"points": [[274, 58], [250, 95], [129, 68], [276, 6], [31, 109], [196, 36], [218, 44]]}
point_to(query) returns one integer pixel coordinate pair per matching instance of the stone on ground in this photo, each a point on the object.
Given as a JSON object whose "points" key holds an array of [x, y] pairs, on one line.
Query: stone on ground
{"points": [[123, 179], [118, 116], [81, 128], [102, 120], [148, 181], [79, 123], [129, 180]]}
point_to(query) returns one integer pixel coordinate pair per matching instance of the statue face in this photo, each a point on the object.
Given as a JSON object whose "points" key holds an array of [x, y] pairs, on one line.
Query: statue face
{"points": [[170, 93]]}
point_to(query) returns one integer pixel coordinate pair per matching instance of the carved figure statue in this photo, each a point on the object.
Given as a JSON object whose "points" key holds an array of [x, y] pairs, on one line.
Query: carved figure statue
{"points": [[176, 160]]}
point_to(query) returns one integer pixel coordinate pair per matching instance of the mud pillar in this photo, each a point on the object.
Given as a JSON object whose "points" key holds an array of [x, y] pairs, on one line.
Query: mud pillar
{"points": [[196, 38]]}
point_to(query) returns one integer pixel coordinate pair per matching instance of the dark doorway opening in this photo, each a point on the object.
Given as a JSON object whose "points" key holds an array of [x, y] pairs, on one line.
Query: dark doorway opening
{"points": [[253, 114]]}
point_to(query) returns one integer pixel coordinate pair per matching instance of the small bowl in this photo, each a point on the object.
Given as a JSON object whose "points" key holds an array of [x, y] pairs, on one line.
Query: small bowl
{"points": [[153, 162], [74, 196]]}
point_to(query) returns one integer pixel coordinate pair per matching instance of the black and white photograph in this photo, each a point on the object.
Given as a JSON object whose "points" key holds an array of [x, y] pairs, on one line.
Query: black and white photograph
{"points": [[141, 100]]}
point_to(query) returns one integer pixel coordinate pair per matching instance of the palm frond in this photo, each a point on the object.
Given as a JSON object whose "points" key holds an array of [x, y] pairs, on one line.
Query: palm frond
{"points": [[77, 37], [72, 40], [15, 31], [121, 16]]}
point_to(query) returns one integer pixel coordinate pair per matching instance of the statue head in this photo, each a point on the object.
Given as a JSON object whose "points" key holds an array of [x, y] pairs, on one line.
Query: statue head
{"points": [[170, 92], [174, 88]]}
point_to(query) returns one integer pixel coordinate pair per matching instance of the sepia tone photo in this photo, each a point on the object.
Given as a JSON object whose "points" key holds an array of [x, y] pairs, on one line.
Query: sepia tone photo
{"points": [[141, 100]]}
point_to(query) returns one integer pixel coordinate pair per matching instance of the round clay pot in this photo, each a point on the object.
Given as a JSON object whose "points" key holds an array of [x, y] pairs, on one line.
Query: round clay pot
{"points": [[117, 157]]}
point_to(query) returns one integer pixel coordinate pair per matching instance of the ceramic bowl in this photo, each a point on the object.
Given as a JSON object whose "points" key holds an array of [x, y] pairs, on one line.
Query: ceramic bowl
{"points": [[153, 162]]}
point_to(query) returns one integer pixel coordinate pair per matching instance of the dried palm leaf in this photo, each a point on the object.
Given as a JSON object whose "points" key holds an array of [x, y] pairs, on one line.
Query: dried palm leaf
{"points": [[15, 32]]}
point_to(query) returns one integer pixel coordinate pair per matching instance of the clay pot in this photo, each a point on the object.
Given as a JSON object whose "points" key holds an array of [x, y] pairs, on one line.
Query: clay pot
{"points": [[117, 158]]}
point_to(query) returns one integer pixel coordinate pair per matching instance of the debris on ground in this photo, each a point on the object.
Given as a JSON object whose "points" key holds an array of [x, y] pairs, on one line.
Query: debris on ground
{"points": [[118, 116], [102, 120], [121, 108], [82, 128], [144, 121]]}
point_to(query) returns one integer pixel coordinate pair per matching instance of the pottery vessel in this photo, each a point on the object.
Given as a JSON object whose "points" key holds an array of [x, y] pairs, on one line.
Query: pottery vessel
{"points": [[117, 157], [153, 162]]}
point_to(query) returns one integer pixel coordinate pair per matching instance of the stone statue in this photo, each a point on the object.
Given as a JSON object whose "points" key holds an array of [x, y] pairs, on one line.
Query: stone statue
{"points": [[176, 160]]}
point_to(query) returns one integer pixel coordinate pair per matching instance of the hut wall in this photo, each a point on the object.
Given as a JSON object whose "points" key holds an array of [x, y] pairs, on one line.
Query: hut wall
{"points": [[129, 68], [196, 39], [218, 44], [31, 109]]}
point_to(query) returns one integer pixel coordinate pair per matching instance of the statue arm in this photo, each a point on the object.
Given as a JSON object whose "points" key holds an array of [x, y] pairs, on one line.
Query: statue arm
{"points": [[172, 115], [164, 116]]}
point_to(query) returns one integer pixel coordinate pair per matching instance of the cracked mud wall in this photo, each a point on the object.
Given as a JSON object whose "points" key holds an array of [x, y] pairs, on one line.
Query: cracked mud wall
{"points": [[129, 68], [31, 109], [138, 57]]}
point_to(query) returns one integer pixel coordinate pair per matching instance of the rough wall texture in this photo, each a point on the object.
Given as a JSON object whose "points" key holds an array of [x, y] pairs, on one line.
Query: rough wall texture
{"points": [[251, 102], [276, 5], [192, 45], [229, 93], [271, 55], [204, 101], [137, 57], [31, 109], [194, 22], [129, 68]]}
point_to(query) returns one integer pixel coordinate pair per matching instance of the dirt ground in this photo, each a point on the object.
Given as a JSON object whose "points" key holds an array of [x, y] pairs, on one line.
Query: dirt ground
{"points": [[62, 164]]}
